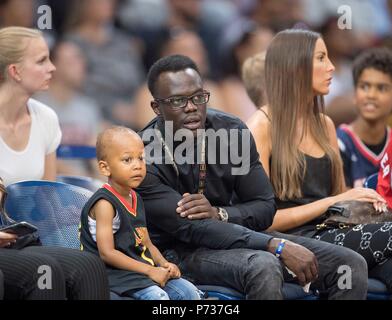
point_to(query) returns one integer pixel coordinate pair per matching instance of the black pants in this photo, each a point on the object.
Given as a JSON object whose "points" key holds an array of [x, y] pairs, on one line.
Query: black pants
{"points": [[372, 241], [52, 273]]}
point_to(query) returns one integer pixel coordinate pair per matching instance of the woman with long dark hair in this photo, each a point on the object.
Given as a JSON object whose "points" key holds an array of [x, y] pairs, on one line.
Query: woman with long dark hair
{"points": [[299, 151]]}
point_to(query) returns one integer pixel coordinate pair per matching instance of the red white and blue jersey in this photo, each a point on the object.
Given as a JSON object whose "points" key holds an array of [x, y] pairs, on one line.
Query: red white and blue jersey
{"points": [[384, 184], [359, 161]]}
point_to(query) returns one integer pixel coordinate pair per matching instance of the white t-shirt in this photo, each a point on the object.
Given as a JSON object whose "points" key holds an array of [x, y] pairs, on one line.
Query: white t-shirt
{"points": [[45, 137]]}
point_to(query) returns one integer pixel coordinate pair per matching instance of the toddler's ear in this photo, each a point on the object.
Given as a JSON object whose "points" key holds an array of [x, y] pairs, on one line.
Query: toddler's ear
{"points": [[104, 168]]}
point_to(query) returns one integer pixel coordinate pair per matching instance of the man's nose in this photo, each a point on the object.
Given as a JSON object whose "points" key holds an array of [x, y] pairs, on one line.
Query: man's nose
{"points": [[190, 106]]}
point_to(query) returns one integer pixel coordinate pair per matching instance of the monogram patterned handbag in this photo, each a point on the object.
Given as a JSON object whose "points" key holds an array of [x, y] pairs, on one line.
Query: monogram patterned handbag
{"points": [[346, 214]]}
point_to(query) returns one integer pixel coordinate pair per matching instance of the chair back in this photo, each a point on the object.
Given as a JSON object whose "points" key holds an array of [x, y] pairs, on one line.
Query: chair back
{"points": [[54, 207], [65, 151], [84, 182]]}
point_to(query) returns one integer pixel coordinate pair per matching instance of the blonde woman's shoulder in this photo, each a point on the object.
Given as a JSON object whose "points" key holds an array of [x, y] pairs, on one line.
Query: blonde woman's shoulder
{"points": [[41, 109], [46, 119]]}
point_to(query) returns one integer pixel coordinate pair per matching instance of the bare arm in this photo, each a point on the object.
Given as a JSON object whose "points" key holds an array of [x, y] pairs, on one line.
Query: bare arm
{"points": [[259, 125], [104, 213], [333, 140], [155, 253], [172, 269], [50, 170]]}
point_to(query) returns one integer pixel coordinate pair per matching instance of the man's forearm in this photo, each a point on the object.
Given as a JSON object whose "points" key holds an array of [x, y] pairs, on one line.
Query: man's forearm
{"points": [[257, 215], [221, 235]]}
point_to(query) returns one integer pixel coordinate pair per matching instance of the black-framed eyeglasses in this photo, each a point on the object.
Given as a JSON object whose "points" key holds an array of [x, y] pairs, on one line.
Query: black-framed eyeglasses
{"points": [[179, 102]]}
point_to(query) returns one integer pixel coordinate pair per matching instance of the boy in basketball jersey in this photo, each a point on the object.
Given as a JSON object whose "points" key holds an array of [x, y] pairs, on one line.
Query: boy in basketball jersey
{"points": [[363, 142], [113, 225]]}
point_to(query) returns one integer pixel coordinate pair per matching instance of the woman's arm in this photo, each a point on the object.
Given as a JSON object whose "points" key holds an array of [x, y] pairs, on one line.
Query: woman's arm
{"points": [[50, 170], [259, 126], [286, 219], [333, 140]]}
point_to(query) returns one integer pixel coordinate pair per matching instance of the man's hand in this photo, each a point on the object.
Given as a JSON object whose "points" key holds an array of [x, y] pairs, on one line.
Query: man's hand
{"points": [[298, 259], [196, 206]]}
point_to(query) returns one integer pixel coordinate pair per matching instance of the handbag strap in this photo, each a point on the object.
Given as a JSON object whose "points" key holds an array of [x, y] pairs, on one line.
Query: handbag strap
{"points": [[335, 209]]}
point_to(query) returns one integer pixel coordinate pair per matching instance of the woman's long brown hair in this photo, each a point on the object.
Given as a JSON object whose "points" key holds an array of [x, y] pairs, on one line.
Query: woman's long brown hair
{"points": [[288, 77]]}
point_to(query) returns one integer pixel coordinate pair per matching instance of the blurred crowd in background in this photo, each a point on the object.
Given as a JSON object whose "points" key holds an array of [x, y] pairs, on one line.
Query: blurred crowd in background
{"points": [[103, 48]]}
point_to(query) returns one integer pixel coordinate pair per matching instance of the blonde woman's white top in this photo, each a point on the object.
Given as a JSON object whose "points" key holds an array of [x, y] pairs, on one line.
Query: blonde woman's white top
{"points": [[45, 137]]}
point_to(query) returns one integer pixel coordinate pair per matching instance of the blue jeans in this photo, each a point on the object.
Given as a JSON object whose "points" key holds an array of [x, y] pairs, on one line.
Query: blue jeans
{"points": [[175, 289]]}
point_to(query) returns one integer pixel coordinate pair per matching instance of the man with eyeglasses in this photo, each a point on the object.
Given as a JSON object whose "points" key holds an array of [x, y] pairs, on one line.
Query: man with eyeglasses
{"points": [[208, 220]]}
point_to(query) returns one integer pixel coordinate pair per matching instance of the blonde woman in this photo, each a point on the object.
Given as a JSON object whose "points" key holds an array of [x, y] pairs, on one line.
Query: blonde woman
{"points": [[29, 130], [299, 150], [29, 136]]}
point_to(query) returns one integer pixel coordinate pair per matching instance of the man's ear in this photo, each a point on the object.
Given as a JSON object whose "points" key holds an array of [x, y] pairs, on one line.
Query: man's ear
{"points": [[155, 108], [104, 168]]}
